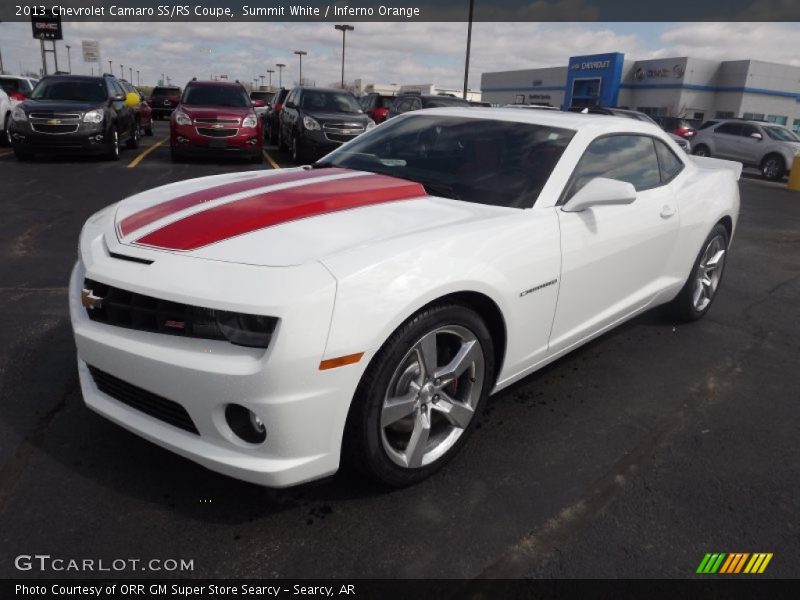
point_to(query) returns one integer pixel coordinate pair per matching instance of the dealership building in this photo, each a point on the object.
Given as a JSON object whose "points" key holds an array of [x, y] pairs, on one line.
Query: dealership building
{"points": [[688, 87]]}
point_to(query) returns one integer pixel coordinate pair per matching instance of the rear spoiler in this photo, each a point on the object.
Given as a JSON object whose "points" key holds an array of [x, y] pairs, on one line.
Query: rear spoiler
{"points": [[706, 162]]}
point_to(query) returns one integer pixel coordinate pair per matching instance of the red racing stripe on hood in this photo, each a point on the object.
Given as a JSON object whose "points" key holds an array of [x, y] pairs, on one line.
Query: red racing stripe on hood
{"points": [[280, 206], [152, 214]]}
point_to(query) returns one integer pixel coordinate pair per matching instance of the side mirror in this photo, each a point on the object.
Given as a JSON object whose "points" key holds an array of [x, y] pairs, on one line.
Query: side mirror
{"points": [[601, 191], [756, 136]]}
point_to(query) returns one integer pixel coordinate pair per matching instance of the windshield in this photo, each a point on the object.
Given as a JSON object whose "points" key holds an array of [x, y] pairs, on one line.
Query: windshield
{"points": [[329, 102], [70, 90], [501, 163], [260, 95], [215, 95], [780, 134], [160, 92], [440, 101]]}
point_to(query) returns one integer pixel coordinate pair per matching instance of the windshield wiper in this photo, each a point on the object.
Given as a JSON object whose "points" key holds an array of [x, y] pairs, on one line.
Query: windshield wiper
{"points": [[440, 189], [322, 164]]}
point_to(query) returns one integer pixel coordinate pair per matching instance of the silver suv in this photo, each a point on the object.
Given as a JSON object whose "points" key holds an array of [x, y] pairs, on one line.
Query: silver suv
{"points": [[767, 146]]}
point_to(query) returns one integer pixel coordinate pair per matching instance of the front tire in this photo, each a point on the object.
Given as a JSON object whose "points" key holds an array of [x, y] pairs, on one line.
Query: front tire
{"points": [[699, 291], [298, 153], [113, 145], [133, 140], [5, 140], [421, 396], [773, 167]]}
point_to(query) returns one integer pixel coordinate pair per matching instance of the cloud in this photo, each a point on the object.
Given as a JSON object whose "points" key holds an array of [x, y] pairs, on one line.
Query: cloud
{"points": [[388, 52]]}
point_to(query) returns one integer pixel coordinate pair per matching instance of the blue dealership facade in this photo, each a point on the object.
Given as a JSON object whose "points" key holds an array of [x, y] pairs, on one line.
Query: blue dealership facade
{"points": [[685, 87]]}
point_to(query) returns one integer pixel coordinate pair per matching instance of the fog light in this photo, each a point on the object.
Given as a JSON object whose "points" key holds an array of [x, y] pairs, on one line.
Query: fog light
{"points": [[245, 424], [99, 137]]}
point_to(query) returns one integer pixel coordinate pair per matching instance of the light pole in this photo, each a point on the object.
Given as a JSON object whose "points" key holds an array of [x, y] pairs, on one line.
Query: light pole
{"points": [[469, 43], [69, 60], [344, 29], [122, 71], [130, 75], [262, 80], [270, 71], [138, 80], [109, 68], [280, 73], [301, 54]]}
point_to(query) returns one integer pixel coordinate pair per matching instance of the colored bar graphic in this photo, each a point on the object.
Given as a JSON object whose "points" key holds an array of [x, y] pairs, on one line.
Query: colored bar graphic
{"points": [[765, 563], [703, 563], [734, 563]]}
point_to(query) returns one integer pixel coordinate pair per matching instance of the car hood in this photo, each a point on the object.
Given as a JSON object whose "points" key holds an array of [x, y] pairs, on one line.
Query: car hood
{"points": [[59, 106], [280, 218]]}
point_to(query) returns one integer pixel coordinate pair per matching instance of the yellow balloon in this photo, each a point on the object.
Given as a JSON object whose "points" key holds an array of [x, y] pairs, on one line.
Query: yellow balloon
{"points": [[132, 99]]}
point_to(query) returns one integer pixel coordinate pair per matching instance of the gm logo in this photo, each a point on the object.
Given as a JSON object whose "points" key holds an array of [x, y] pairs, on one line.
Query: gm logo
{"points": [[734, 563]]}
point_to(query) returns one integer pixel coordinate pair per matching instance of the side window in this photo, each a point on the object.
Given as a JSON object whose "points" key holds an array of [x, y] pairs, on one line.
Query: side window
{"points": [[416, 104], [748, 130], [110, 87], [118, 89], [670, 164], [630, 158], [729, 128]]}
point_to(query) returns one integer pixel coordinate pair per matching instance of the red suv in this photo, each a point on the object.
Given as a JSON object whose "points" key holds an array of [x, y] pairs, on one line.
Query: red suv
{"points": [[215, 118]]}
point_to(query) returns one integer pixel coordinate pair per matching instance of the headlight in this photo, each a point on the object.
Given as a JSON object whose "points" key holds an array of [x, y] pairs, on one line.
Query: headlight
{"points": [[310, 123], [370, 124], [250, 121], [18, 114], [246, 330], [93, 116], [181, 118]]}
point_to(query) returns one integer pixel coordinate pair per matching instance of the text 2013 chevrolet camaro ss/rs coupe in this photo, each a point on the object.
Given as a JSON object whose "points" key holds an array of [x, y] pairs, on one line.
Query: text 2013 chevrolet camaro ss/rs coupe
{"points": [[272, 324]]}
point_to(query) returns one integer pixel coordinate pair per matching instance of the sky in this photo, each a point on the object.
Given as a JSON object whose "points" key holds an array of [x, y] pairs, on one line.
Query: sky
{"points": [[404, 53]]}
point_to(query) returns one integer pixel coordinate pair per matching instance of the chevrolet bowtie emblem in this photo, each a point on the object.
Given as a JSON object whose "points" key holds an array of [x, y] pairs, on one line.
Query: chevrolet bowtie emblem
{"points": [[217, 126], [54, 122], [89, 300]]}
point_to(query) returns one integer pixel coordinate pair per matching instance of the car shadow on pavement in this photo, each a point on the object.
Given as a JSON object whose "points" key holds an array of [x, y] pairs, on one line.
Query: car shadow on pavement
{"points": [[84, 451]]}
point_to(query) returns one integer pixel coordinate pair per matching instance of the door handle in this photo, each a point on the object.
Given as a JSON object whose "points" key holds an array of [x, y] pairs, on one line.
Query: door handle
{"points": [[667, 211]]}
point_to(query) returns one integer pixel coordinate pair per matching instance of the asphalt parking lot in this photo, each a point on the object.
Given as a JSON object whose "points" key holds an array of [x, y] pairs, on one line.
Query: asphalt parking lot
{"points": [[631, 457]]}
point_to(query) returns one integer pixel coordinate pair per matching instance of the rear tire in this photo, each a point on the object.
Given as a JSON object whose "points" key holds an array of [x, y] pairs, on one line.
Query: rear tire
{"points": [[698, 293], [701, 150], [400, 397], [133, 141]]}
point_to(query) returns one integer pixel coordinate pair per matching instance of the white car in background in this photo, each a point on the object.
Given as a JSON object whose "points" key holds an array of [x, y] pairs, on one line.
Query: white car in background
{"points": [[17, 88], [5, 117], [269, 325]]}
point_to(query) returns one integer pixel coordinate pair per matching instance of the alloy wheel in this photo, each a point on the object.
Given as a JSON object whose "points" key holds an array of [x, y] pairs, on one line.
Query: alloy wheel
{"points": [[432, 396], [771, 168], [709, 273]]}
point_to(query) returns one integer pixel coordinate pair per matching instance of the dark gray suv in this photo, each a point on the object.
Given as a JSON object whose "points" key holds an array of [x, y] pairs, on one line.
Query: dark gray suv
{"points": [[314, 121]]}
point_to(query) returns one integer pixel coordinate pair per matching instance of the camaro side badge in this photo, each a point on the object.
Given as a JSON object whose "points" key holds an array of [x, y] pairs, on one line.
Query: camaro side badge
{"points": [[538, 287], [89, 300]]}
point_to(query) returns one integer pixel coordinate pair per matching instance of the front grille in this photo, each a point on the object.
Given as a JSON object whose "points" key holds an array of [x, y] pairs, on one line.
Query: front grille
{"points": [[136, 311], [216, 133], [335, 137], [54, 129], [216, 120], [149, 403], [55, 115]]}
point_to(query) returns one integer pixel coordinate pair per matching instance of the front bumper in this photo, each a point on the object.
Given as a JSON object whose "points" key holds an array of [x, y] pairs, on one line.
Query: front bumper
{"points": [[87, 140], [185, 141], [304, 409]]}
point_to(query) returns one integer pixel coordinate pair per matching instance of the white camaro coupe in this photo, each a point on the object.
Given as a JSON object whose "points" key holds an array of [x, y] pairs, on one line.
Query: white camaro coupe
{"points": [[272, 324]]}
